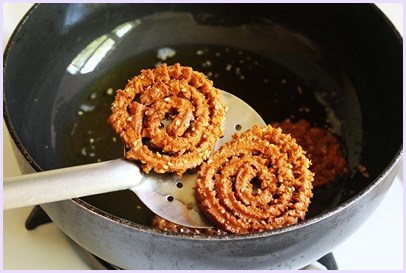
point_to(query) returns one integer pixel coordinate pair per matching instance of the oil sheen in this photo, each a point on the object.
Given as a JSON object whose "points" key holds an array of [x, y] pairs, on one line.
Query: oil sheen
{"points": [[272, 90]]}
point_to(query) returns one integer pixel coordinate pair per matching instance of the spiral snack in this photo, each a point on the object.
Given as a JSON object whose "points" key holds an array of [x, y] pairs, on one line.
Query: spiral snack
{"points": [[258, 181], [163, 224], [321, 147], [179, 95]]}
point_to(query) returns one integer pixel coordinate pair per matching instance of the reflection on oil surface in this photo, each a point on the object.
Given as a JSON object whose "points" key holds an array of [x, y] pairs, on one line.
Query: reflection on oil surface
{"points": [[280, 74], [96, 51]]}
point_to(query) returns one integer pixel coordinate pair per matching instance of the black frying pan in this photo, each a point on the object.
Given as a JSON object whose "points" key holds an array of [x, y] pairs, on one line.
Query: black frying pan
{"points": [[347, 59]]}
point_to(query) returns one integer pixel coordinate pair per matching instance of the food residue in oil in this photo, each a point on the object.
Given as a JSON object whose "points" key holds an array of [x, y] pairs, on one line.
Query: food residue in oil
{"points": [[166, 52], [110, 91], [363, 170]]}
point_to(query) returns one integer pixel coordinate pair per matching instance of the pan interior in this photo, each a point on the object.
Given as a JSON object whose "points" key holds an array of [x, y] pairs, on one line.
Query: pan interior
{"points": [[280, 72], [276, 83]]}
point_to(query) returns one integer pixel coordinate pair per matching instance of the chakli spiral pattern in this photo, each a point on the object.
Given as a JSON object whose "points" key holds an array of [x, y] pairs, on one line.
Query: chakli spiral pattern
{"points": [[279, 198], [176, 93]]}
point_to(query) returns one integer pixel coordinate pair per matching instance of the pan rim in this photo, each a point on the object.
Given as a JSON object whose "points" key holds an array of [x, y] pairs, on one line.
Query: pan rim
{"points": [[321, 217], [253, 235]]}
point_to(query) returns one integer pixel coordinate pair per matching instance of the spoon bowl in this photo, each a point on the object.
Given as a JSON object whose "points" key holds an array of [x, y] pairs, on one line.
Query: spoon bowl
{"points": [[166, 195]]}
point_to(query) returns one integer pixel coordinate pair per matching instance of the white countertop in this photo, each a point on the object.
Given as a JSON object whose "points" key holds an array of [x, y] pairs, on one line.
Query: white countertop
{"points": [[377, 245]]}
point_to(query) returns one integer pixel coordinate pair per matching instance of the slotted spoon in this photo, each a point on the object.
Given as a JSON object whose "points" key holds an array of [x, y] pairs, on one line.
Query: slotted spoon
{"points": [[166, 195]]}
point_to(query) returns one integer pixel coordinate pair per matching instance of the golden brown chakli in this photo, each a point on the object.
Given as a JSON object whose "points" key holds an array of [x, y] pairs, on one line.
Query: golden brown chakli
{"points": [[258, 181], [163, 224], [279, 197], [176, 93]]}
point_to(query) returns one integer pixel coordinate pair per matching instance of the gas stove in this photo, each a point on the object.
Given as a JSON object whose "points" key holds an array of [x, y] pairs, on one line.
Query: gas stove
{"points": [[377, 245]]}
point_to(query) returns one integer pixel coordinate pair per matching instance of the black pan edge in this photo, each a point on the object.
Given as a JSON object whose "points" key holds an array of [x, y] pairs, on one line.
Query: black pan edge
{"points": [[395, 161], [7, 120]]}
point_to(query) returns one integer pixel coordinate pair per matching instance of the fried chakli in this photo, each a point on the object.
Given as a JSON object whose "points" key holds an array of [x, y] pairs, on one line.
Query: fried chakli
{"points": [[322, 148], [178, 94], [258, 181], [163, 224]]}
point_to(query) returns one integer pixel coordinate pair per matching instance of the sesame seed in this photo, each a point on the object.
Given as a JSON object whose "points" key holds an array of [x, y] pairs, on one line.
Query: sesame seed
{"points": [[216, 107], [183, 89], [91, 140], [114, 139], [167, 99], [170, 163], [165, 167], [80, 113], [110, 91]]}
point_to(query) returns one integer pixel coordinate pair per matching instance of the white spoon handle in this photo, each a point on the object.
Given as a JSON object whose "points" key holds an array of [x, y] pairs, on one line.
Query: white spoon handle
{"points": [[67, 183]]}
